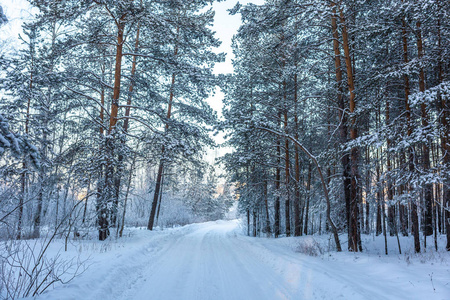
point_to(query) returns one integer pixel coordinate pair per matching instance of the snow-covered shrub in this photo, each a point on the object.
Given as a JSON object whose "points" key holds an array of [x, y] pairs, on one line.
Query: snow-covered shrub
{"points": [[309, 246]]}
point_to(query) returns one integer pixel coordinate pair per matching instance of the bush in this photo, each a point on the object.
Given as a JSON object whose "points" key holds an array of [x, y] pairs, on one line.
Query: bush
{"points": [[309, 247]]}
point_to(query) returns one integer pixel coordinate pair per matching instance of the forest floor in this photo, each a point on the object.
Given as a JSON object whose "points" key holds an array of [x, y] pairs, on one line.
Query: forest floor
{"points": [[215, 260]]}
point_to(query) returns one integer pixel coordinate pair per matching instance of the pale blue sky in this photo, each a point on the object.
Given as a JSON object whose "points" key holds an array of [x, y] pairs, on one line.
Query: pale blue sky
{"points": [[225, 26]]}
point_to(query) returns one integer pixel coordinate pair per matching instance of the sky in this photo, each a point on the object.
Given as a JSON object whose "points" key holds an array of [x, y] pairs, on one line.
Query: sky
{"points": [[225, 27]]}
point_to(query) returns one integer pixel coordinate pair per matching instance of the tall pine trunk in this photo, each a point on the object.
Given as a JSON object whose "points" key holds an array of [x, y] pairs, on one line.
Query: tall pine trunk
{"points": [[266, 206], [390, 189], [354, 232], [414, 216], [308, 196], [343, 129], [277, 187], [23, 179], [151, 219], [287, 179], [428, 192], [126, 123], [297, 211], [107, 194]]}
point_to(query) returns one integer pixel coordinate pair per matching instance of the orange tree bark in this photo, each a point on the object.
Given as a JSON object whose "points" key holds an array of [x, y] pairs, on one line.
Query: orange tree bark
{"points": [[354, 233], [118, 177], [343, 129], [108, 189]]}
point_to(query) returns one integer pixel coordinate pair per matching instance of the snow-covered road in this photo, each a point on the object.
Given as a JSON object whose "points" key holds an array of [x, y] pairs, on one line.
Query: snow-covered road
{"points": [[210, 263], [214, 261]]}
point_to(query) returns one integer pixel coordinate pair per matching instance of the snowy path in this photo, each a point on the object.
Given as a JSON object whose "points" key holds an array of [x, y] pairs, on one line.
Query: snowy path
{"points": [[213, 261], [209, 263]]}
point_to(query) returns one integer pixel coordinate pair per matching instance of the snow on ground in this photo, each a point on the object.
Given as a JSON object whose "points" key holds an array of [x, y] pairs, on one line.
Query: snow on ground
{"points": [[214, 260]]}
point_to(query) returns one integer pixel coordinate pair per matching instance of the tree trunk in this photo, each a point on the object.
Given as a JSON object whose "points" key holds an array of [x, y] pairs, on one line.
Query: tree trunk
{"points": [[119, 173], [354, 233], [45, 108], [156, 194], [161, 163], [40, 199], [267, 209], [414, 216], [254, 222], [367, 221], [130, 177], [380, 205], [159, 201], [86, 200], [428, 193], [248, 222], [297, 223], [384, 227], [108, 191], [22, 198], [343, 129], [277, 187], [308, 191], [287, 179]]}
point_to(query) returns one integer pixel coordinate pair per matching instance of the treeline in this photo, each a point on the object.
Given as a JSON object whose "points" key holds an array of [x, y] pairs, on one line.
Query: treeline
{"points": [[357, 90], [102, 90]]}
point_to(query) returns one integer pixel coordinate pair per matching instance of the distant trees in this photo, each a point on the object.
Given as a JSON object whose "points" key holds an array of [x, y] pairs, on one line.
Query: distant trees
{"points": [[361, 87]]}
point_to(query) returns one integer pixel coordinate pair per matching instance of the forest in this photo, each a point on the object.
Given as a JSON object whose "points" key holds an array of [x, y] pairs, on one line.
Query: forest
{"points": [[337, 115], [103, 100]]}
